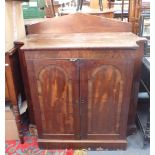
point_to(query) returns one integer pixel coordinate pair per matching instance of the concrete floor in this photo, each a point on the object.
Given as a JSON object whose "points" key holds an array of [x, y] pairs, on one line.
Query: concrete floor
{"points": [[134, 148]]}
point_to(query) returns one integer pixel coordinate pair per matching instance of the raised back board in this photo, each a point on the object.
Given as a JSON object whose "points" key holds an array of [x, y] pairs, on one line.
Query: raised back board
{"points": [[79, 23]]}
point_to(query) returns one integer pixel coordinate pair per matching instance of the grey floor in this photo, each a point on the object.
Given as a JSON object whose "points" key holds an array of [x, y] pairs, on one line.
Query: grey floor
{"points": [[134, 147]]}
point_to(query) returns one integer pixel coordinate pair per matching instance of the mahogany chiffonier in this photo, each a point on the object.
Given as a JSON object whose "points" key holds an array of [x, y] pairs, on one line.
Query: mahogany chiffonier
{"points": [[80, 85]]}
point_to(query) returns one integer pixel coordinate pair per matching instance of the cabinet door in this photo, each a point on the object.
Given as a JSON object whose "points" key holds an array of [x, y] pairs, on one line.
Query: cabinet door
{"points": [[54, 89], [104, 98]]}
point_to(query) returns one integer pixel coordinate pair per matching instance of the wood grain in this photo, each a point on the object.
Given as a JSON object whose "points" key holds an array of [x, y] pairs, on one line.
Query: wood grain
{"points": [[125, 40], [103, 96], [56, 95], [79, 23]]}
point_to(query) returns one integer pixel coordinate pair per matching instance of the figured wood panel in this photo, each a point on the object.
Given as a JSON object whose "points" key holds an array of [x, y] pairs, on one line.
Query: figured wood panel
{"points": [[57, 99], [104, 98], [54, 90], [105, 89]]}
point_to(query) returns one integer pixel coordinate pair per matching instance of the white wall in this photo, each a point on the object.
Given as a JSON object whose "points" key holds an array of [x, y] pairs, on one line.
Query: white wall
{"points": [[14, 23]]}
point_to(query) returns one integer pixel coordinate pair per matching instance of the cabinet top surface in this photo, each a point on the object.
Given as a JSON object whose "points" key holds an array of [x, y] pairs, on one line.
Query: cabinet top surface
{"points": [[125, 40]]}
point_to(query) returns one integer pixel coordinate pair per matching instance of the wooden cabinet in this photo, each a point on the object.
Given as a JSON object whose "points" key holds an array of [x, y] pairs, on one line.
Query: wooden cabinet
{"points": [[81, 75], [80, 86]]}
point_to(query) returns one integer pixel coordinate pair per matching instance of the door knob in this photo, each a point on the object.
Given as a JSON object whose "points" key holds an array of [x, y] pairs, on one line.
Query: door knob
{"points": [[73, 59], [6, 65]]}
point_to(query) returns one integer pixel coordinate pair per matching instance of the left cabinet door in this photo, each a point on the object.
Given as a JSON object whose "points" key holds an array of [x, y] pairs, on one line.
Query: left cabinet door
{"points": [[54, 90]]}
